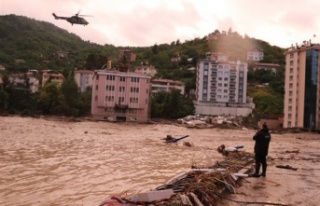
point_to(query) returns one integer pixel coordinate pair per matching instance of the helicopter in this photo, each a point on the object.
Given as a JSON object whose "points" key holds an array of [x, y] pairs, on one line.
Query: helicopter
{"points": [[75, 19]]}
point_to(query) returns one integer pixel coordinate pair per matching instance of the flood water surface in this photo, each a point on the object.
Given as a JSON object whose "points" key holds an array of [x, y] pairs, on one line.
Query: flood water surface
{"points": [[46, 162]]}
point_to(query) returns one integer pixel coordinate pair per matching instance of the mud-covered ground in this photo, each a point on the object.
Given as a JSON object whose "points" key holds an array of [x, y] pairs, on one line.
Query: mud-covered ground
{"points": [[58, 162]]}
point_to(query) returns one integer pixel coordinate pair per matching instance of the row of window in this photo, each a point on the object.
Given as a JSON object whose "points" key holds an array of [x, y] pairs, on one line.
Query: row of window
{"points": [[121, 99], [122, 79]]}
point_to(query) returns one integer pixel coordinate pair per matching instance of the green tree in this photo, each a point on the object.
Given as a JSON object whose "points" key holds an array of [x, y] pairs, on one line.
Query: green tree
{"points": [[70, 97], [171, 105], [49, 98]]}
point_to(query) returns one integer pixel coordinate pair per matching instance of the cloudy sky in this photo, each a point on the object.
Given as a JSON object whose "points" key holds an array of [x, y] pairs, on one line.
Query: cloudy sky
{"points": [[149, 22]]}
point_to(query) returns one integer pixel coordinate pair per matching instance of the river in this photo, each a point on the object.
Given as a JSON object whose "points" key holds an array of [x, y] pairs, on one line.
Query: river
{"points": [[57, 162]]}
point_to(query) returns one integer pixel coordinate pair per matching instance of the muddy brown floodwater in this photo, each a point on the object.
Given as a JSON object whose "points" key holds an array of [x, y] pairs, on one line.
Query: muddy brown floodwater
{"points": [[55, 162]]}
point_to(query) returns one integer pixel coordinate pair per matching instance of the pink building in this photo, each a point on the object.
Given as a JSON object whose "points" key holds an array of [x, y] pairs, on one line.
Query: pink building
{"points": [[120, 96]]}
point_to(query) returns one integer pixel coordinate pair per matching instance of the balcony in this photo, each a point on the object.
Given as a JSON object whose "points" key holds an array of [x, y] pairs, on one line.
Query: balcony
{"points": [[121, 106]]}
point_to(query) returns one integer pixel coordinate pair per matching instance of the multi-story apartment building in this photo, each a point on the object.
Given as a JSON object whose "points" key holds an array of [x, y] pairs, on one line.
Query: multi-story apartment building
{"points": [[302, 87], [222, 87], [120, 96], [146, 69], [84, 79], [255, 55], [166, 85], [266, 66], [128, 54], [20, 80], [49, 75]]}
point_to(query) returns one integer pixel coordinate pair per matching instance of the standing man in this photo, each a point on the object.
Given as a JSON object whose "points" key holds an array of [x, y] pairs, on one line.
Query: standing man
{"points": [[261, 147]]}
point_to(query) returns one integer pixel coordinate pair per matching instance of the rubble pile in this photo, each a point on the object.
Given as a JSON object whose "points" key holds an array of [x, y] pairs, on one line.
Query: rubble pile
{"points": [[196, 121], [199, 186]]}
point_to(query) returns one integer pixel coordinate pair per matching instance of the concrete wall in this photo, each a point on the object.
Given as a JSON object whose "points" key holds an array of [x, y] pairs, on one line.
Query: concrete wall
{"points": [[215, 110]]}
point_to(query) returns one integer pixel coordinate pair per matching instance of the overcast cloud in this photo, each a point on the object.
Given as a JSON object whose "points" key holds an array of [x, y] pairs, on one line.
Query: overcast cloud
{"points": [[149, 22]]}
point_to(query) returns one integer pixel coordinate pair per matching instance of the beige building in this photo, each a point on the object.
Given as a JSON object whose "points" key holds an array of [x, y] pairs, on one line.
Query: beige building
{"points": [[158, 85], [49, 75], [302, 87], [266, 66], [146, 69]]}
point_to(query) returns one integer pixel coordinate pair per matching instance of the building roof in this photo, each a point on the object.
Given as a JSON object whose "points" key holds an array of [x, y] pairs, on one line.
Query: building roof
{"points": [[266, 64], [166, 81]]}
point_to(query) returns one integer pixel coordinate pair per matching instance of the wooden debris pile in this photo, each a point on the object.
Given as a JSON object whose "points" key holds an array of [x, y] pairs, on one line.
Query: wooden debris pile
{"points": [[199, 186]]}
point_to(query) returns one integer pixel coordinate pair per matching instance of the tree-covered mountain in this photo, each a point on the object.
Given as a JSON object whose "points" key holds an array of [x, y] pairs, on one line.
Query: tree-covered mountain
{"points": [[30, 44]]}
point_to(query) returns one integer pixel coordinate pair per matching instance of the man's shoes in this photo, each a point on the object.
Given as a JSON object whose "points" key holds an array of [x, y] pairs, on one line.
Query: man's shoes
{"points": [[263, 174], [255, 175]]}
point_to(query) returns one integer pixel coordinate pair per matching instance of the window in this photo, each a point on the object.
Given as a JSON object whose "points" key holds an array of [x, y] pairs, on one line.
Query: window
{"points": [[290, 108], [290, 86], [122, 79], [134, 79], [291, 70], [291, 63], [225, 91], [121, 99], [220, 78], [290, 93], [110, 77], [289, 123], [110, 87], [291, 78], [226, 78], [226, 85], [289, 116], [290, 100]]}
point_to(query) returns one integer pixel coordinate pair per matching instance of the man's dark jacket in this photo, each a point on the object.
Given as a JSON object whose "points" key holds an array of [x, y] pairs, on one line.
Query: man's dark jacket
{"points": [[262, 138]]}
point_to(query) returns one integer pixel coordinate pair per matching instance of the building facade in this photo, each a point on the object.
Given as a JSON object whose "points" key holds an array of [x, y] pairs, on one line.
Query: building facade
{"points": [[146, 69], [302, 87], [221, 87], [84, 79], [49, 75], [127, 54], [166, 85], [120, 96], [21, 79], [266, 66], [255, 55]]}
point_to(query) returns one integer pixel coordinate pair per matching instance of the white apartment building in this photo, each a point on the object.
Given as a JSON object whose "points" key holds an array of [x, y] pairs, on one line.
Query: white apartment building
{"points": [[84, 79], [255, 55], [222, 87]]}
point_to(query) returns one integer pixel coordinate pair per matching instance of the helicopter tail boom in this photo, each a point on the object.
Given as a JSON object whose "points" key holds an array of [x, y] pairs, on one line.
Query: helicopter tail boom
{"points": [[55, 16], [59, 17]]}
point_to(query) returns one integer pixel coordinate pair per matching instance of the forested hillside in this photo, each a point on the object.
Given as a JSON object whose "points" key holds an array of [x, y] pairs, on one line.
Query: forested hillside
{"points": [[30, 44]]}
